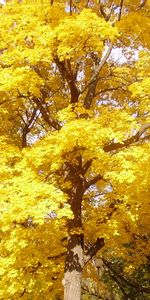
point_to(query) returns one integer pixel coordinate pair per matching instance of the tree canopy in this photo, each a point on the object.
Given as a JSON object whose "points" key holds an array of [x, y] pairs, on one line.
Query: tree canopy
{"points": [[75, 151]]}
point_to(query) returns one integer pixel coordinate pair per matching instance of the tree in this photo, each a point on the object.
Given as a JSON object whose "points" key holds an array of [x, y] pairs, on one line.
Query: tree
{"points": [[75, 129]]}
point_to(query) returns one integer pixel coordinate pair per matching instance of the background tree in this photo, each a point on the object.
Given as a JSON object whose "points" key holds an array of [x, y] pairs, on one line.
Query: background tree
{"points": [[75, 129]]}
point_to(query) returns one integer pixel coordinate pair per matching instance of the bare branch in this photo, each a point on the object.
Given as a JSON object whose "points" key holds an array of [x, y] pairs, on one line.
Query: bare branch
{"points": [[126, 296], [90, 94]]}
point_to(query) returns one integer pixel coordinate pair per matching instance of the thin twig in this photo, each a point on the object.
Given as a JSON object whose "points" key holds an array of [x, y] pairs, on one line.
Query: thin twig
{"points": [[120, 10], [70, 7]]}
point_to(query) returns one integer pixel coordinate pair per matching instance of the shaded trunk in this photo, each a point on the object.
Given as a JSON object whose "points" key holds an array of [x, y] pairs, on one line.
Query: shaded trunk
{"points": [[73, 268], [75, 257]]}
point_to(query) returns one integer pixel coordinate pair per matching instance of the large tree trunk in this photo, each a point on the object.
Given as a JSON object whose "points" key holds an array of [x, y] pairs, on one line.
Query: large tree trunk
{"points": [[72, 287], [73, 268], [75, 257]]}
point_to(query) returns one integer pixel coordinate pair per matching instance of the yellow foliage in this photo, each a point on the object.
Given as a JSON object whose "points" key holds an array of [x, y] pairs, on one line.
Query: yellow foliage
{"points": [[74, 139]]}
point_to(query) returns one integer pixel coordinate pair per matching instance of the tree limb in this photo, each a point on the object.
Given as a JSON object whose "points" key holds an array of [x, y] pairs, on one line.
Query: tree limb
{"points": [[87, 3], [28, 127], [66, 72], [53, 123], [91, 85], [108, 90], [126, 143], [93, 181], [125, 295], [102, 62], [93, 250], [120, 10], [143, 2], [70, 7], [23, 292], [57, 256], [104, 14], [86, 166], [91, 294], [133, 285], [99, 66]]}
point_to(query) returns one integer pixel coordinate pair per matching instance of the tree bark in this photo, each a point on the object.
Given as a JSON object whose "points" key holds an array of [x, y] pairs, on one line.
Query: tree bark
{"points": [[73, 268], [72, 286], [75, 256]]}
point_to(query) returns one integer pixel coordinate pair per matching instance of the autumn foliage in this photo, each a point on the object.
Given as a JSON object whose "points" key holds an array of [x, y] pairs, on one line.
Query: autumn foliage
{"points": [[75, 151]]}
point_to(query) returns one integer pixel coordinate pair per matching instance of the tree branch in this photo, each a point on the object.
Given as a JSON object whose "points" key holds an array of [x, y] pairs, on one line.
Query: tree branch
{"points": [[133, 285], [128, 142], [57, 256], [91, 294], [93, 181], [93, 250], [66, 72], [104, 14], [125, 295], [70, 7], [86, 166], [120, 10], [28, 126], [1, 103], [99, 67], [143, 2], [87, 3], [108, 215], [108, 90], [102, 62], [23, 292], [53, 123], [91, 85]]}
